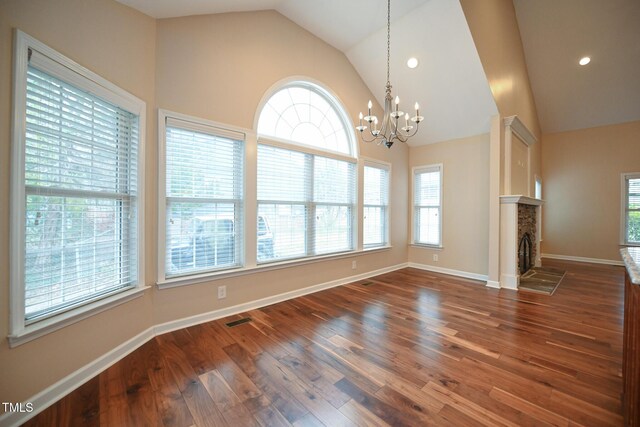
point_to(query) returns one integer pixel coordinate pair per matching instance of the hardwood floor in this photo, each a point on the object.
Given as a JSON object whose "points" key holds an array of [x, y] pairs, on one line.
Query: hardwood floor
{"points": [[405, 348]]}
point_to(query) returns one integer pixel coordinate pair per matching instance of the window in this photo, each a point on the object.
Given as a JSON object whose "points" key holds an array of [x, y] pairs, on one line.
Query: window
{"points": [[631, 209], [306, 199], [376, 202], [76, 235], [427, 205], [304, 113], [203, 187]]}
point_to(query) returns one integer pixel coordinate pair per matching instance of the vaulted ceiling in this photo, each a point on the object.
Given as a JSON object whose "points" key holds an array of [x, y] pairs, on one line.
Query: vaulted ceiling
{"points": [[449, 82]]}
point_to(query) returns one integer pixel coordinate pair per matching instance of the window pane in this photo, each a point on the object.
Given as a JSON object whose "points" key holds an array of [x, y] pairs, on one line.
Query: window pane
{"points": [[304, 113], [74, 250], [333, 181], [376, 193], [75, 140], [428, 189], [633, 227], [373, 226], [634, 194], [333, 229], [633, 210], [80, 184], [200, 236], [429, 225], [282, 174], [285, 233], [202, 165]]}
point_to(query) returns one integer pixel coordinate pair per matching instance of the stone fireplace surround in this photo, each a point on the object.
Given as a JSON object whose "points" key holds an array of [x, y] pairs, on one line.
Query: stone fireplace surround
{"points": [[518, 215]]}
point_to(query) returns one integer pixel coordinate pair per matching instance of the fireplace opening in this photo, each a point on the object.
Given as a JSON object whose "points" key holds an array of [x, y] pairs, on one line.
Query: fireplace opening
{"points": [[525, 253]]}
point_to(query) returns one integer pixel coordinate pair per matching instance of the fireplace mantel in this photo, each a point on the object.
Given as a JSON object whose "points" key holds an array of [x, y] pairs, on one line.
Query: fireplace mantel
{"points": [[520, 199]]}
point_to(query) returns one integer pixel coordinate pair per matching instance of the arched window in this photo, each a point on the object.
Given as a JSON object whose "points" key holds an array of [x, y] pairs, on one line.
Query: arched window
{"points": [[305, 113], [306, 175]]}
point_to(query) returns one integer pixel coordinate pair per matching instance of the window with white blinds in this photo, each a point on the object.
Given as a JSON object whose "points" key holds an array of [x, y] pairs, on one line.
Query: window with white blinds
{"points": [[427, 205], [631, 209], [79, 181], [376, 205], [307, 202], [203, 197]]}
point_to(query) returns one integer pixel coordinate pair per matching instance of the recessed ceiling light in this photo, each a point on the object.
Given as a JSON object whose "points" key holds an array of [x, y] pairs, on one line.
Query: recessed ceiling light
{"points": [[412, 62], [584, 61]]}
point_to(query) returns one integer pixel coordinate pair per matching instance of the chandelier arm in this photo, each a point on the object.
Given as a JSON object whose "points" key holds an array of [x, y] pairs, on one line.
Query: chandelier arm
{"points": [[409, 135], [368, 140]]}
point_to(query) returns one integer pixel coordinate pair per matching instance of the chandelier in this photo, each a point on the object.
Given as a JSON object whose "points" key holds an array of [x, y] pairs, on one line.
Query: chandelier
{"points": [[391, 129]]}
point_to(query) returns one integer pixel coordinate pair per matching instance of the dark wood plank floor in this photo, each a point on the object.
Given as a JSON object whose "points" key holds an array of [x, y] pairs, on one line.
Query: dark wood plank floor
{"points": [[405, 348]]}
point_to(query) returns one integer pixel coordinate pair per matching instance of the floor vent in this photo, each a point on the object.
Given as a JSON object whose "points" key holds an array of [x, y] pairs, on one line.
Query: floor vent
{"points": [[367, 283], [238, 322]]}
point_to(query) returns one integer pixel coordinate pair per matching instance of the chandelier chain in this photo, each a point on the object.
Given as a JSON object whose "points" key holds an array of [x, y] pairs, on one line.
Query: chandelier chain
{"points": [[388, 38], [391, 128]]}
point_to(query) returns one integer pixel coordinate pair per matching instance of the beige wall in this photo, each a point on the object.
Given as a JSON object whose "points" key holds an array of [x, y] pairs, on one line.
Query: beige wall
{"points": [[465, 209], [219, 67], [495, 32], [118, 44], [581, 187], [215, 67], [519, 167]]}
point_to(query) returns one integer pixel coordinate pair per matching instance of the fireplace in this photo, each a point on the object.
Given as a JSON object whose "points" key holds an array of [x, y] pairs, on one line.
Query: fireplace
{"points": [[519, 238], [525, 254]]}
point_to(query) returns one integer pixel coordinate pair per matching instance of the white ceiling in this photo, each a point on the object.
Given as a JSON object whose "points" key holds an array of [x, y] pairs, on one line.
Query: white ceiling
{"points": [[449, 83], [556, 34]]}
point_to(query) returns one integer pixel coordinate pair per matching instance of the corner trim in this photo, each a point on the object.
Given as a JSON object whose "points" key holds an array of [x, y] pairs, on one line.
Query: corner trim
{"points": [[66, 385], [450, 272], [493, 284], [583, 259]]}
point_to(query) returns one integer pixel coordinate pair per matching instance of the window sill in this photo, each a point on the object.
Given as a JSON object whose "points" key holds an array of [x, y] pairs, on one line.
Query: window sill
{"points": [[45, 326], [425, 246], [195, 279]]}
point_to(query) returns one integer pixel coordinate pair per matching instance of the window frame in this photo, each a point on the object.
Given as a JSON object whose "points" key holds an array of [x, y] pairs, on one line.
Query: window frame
{"points": [[378, 164], [21, 331], [220, 128], [624, 207], [414, 219]]}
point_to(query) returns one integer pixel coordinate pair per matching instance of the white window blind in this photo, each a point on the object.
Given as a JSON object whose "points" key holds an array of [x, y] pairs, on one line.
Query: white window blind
{"points": [[81, 155], [307, 201], [632, 209], [427, 215], [376, 202], [204, 187]]}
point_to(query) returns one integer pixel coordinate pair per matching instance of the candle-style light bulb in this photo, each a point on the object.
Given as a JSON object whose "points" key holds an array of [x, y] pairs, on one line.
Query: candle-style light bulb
{"points": [[406, 119], [361, 118], [369, 105], [417, 109], [397, 102], [375, 124]]}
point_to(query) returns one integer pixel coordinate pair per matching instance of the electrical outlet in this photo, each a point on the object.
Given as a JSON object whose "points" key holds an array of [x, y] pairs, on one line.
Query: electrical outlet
{"points": [[354, 265], [435, 257], [222, 292]]}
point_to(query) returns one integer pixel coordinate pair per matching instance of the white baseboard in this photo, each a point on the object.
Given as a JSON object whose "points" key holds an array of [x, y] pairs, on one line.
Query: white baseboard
{"points": [[451, 272], [252, 305], [493, 284], [55, 392], [583, 259]]}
